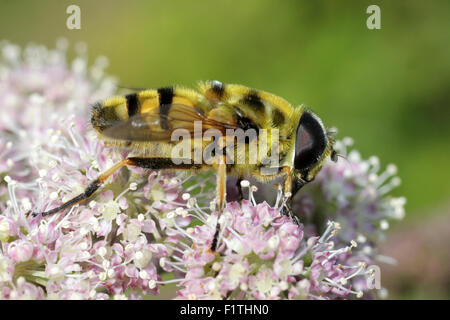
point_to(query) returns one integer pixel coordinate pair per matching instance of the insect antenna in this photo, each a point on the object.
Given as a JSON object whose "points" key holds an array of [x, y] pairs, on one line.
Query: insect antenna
{"points": [[343, 157], [130, 88], [334, 156]]}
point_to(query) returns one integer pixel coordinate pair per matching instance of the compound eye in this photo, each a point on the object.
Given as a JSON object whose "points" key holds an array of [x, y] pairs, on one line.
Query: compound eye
{"points": [[310, 142]]}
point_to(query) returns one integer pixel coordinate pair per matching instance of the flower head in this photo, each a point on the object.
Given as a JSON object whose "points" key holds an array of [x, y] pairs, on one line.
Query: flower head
{"points": [[353, 193], [261, 254]]}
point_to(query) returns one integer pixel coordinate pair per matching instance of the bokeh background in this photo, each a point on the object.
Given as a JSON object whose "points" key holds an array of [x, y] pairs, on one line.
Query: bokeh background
{"points": [[389, 89]]}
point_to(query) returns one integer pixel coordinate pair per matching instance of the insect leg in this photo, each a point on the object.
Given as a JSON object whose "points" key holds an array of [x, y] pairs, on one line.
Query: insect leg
{"points": [[221, 184], [93, 186], [288, 192], [220, 191], [161, 163], [148, 163], [287, 187], [239, 187]]}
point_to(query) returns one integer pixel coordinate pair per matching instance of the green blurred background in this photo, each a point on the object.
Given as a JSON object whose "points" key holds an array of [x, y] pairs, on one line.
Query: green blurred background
{"points": [[389, 89]]}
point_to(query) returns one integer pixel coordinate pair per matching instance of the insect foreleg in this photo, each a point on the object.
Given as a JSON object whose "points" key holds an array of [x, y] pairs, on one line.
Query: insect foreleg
{"points": [[289, 190]]}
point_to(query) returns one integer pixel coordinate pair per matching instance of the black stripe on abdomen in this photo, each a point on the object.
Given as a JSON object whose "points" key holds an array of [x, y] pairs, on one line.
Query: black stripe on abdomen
{"points": [[165, 101], [132, 104]]}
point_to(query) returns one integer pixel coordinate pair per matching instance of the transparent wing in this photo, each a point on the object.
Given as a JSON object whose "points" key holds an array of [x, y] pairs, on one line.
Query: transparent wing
{"points": [[156, 126]]}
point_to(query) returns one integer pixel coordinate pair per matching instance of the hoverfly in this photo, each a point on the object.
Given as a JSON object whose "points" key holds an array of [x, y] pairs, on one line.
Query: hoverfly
{"points": [[144, 122]]}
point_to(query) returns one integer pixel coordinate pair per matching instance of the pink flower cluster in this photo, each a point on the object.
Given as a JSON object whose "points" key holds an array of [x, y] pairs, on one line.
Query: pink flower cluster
{"points": [[144, 228], [262, 254], [356, 195]]}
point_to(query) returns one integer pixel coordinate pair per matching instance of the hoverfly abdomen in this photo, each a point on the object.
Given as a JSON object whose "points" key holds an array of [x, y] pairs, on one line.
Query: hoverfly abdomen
{"points": [[104, 117]]}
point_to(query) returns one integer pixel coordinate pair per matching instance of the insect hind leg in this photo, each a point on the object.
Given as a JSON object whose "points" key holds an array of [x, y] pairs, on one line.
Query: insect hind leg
{"points": [[93, 186], [147, 163]]}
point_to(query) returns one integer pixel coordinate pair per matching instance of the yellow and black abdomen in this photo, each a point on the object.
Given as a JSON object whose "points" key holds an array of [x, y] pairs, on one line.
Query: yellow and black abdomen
{"points": [[108, 113], [111, 112], [114, 110]]}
